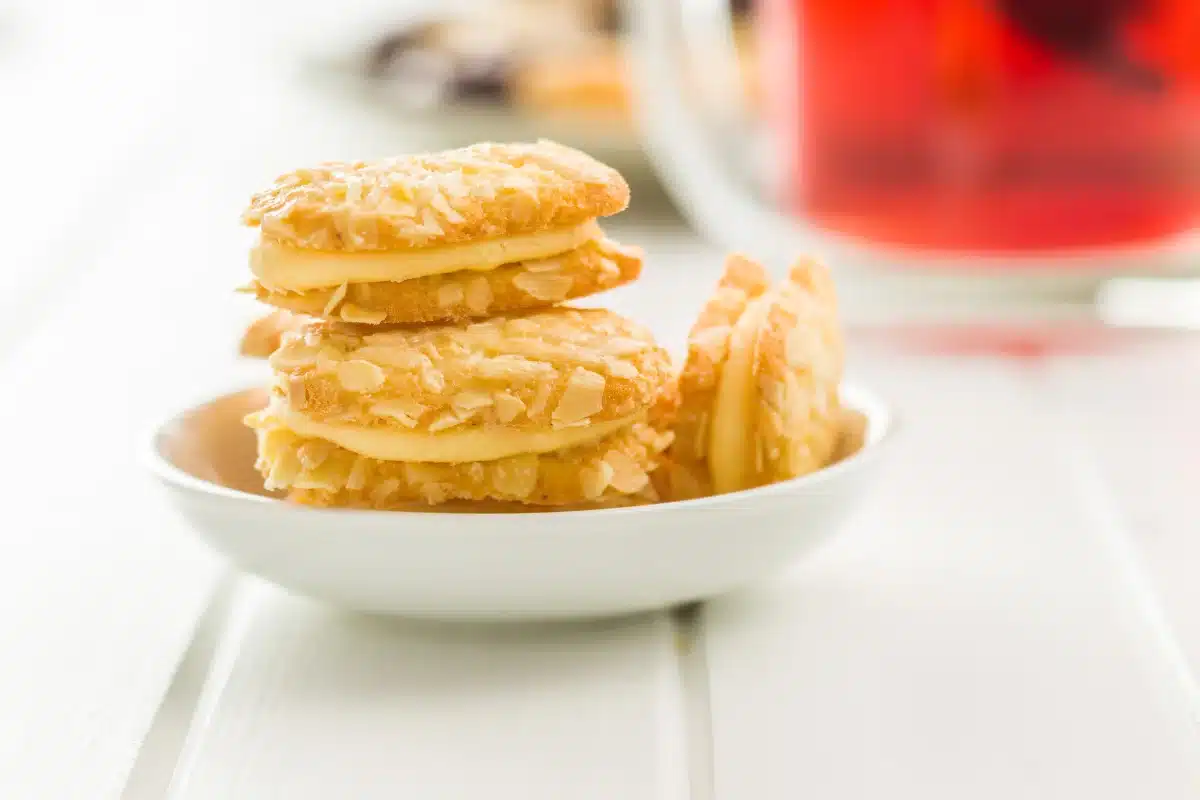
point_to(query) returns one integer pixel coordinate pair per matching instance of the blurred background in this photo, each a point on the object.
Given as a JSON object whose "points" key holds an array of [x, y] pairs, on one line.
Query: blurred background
{"points": [[1015, 163]]}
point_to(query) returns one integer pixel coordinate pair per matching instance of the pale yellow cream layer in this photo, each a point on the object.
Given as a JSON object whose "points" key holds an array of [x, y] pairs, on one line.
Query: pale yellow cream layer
{"points": [[730, 448], [278, 266], [450, 446]]}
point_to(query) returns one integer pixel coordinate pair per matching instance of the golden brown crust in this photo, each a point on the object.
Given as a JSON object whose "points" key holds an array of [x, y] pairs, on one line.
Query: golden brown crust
{"points": [[799, 360], [611, 471], [560, 368], [708, 345], [484, 191], [264, 335], [797, 368], [453, 297]]}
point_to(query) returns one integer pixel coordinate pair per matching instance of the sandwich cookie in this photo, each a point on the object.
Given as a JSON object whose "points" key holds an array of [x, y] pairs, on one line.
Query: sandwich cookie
{"points": [[560, 407], [471, 233], [759, 390]]}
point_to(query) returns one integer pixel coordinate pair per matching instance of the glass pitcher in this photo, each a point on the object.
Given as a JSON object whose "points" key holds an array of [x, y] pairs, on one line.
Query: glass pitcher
{"points": [[1017, 145]]}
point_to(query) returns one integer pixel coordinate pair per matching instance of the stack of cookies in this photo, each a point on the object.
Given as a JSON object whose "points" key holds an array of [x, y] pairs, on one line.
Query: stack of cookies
{"points": [[433, 363]]}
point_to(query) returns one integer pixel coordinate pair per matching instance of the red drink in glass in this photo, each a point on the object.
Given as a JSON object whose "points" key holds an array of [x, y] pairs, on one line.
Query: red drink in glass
{"points": [[988, 125]]}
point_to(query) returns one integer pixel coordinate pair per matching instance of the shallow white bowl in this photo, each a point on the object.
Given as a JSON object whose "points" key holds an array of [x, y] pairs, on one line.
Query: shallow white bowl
{"points": [[464, 565]]}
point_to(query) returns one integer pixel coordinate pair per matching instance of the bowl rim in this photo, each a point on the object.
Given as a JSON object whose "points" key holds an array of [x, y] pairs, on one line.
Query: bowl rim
{"points": [[882, 425]]}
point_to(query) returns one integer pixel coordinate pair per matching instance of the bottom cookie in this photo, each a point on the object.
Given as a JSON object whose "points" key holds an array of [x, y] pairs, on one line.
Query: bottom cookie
{"points": [[317, 472]]}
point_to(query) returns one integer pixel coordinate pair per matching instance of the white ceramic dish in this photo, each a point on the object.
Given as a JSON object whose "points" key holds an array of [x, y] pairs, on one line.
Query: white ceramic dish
{"points": [[498, 566]]}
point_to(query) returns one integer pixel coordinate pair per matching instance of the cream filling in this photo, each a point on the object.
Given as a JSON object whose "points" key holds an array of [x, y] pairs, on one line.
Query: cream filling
{"points": [[730, 441], [449, 447], [278, 266]]}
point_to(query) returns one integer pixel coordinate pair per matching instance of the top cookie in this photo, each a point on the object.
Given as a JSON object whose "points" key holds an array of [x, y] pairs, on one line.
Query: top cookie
{"points": [[474, 193]]}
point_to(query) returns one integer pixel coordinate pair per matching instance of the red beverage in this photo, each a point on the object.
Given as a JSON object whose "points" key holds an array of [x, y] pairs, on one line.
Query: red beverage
{"points": [[989, 125]]}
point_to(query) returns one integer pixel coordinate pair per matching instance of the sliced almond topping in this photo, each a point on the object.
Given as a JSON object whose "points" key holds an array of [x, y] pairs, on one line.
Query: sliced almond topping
{"points": [[339, 294], [313, 453], [584, 396], [516, 368], [548, 288], [628, 476], [540, 399], [284, 468], [406, 412], [621, 369], [594, 480], [515, 477], [508, 407], [521, 326], [328, 359], [543, 265], [448, 419], [471, 401], [361, 316], [293, 354], [433, 380], [384, 489], [297, 393], [449, 294], [360, 376], [358, 475], [479, 295]]}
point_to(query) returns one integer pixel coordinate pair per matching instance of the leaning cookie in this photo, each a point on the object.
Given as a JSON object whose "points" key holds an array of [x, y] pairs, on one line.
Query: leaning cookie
{"points": [[596, 266], [263, 336], [759, 390]]}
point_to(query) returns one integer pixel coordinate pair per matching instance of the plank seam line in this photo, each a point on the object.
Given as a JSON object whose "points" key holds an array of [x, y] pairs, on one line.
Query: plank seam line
{"points": [[158, 756], [696, 700], [1131, 573]]}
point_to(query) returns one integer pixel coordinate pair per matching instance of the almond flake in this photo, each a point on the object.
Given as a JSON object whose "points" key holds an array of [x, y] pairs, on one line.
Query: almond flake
{"points": [[583, 397], [433, 380], [471, 401], [479, 295], [540, 399], [448, 419], [543, 265], [406, 412], [449, 294], [360, 376], [628, 477], [339, 294], [357, 478], [547, 288], [621, 369], [362, 316], [384, 489], [508, 407], [313, 453]]}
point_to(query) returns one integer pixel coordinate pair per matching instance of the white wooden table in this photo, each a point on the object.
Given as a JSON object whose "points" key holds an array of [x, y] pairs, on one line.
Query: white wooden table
{"points": [[1014, 614]]}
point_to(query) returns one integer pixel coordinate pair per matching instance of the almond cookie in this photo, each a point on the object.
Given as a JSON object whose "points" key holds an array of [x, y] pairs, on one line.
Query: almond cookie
{"points": [[612, 471], [447, 406], [460, 212], [265, 334], [595, 266], [565, 371], [759, 390]]}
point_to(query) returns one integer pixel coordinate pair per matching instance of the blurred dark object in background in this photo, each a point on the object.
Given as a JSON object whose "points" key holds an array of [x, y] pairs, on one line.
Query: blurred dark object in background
{"points": [[556, 57]]}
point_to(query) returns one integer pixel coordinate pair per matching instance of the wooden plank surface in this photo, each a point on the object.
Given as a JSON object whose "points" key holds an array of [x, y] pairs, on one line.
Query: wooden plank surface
{"points": [[973, 634], [312, 703], [1132, 414]]}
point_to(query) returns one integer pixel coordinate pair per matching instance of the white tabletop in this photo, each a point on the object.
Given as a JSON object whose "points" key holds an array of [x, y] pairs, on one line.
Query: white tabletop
{"points": [[1013, 613]]}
